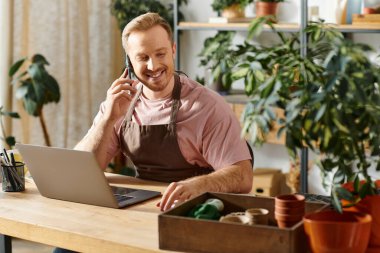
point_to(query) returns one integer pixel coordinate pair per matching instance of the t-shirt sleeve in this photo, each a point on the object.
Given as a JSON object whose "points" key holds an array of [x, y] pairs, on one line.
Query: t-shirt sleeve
{"points": [[113, 142], [222, 143]]}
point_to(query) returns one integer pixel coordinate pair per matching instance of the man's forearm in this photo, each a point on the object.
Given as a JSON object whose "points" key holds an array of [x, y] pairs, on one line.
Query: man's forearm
{"points": [[236, 178], [95, 142]]}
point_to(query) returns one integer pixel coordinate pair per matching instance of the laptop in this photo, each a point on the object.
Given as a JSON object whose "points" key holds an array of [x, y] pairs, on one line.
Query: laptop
{"points": [[75, 176]]}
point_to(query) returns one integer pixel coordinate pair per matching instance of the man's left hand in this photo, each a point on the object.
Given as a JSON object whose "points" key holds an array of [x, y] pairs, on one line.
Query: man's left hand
{"points": [[179, 192]]}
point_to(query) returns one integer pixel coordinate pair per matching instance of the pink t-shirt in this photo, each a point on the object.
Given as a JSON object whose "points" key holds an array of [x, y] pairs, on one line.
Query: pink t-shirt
{"points": [[208, 132]]}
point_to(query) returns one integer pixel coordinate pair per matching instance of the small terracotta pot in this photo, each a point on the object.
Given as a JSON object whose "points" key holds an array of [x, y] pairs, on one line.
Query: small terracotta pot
{"points": [[287, 220], [265, 9], [331, 232], [367, 10], [289, 201], [290, 211]]}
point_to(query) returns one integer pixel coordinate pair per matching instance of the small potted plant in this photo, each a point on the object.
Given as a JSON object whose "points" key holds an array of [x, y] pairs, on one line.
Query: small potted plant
{"points": [[217, 56], [230, 8], [330, 100], [125, 10], [266, 7]]}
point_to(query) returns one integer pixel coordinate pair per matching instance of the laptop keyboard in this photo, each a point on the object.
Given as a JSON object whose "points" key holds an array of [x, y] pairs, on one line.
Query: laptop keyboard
{"points": [[121, 193], [122, 190], [121, 198]]}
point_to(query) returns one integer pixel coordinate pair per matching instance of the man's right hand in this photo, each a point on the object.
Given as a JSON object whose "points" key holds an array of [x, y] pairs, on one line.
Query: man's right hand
{"points": [[119, 96]]}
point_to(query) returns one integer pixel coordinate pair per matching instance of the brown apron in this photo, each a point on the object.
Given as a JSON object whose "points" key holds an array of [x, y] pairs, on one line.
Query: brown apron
{"points": [[154, 149]]}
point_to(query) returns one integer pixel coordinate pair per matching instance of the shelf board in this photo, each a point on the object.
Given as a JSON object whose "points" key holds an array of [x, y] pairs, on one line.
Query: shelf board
{"points": [[283, 27], [232, 26]]}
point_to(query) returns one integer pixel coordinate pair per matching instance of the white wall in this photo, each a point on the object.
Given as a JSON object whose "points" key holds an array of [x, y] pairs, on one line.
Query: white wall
{"points": [[191, 43]]}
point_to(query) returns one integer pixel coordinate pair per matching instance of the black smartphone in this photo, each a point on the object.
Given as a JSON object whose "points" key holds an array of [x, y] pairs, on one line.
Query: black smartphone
{"points": [[129, 67]]}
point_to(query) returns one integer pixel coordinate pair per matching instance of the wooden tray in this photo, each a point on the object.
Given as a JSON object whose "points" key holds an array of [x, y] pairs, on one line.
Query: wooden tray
{"points": [[180, 233]]}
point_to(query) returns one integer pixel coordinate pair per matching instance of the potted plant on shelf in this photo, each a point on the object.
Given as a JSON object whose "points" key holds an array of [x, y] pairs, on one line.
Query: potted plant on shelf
{"points": [[125, 10], [267, 7], [217, 56], [230, 8], [330, 100], [37, 88]]}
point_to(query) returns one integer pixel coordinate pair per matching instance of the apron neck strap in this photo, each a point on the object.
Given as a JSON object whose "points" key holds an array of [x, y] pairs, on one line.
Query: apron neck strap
{"points": [[176, 95]]}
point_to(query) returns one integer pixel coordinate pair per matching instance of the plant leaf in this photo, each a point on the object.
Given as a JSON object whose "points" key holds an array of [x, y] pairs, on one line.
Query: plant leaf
{"points": [[335, 201], [344, 194], [16, 66], [10, 140]]}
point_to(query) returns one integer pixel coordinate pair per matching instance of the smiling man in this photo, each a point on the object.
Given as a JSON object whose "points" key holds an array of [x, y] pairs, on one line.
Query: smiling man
{"points": [[172, 128]]}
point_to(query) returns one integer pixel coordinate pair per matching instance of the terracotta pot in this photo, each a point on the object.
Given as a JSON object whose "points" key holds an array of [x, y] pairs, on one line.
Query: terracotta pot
{"points": [[290, 211], [265, 9], [289, 201], [234, 11], [287, 220], [367, 10], [370, 205], [332, 232]]}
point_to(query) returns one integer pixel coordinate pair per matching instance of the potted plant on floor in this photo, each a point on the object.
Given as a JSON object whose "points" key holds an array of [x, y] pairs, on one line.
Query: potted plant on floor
{"points": [[36, 88], [217, 56], [230, 8], [330, 100]]}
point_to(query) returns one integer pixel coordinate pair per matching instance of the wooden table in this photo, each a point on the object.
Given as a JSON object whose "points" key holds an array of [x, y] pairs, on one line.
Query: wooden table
{"points": [[79, 227]]}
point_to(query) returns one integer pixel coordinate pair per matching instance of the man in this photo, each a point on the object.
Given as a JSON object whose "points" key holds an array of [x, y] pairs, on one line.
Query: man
{"points": [[173, 129]]}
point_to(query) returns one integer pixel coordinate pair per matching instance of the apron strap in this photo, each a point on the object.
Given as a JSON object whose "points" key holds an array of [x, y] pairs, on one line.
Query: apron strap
{"points": [[131, 108], [176, 95]]}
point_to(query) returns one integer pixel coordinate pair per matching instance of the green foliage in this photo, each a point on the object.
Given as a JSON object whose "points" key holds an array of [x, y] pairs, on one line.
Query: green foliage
{"points": [[9, 140], [219, 5], [37, 86], [125, 10], [218, 55], [330, 99]]}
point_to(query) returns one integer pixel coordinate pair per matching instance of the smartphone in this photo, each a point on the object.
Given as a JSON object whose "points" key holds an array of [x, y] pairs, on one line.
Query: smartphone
{"points": [[129, 67]]}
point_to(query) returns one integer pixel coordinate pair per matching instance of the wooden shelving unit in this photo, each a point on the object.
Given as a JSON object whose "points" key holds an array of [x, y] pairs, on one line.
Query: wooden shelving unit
{"points": [[291, 27], [283, 27]]}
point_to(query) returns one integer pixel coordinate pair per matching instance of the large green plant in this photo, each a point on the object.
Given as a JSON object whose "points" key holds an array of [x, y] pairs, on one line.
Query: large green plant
{"points": [[125, 10], [219, 5], [36, 88], [330, 100], [218, 55]]}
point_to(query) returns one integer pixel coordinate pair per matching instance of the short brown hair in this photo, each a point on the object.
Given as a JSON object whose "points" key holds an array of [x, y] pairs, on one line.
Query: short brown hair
{"points": [[145, 22]]}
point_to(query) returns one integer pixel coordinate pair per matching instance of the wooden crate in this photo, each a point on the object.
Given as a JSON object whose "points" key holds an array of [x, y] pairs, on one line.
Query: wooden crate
{"points": [[180, 233]]}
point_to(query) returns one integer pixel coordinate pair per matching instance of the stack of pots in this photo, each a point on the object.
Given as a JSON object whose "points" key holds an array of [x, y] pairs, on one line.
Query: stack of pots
{"points": [[289, 209]]}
